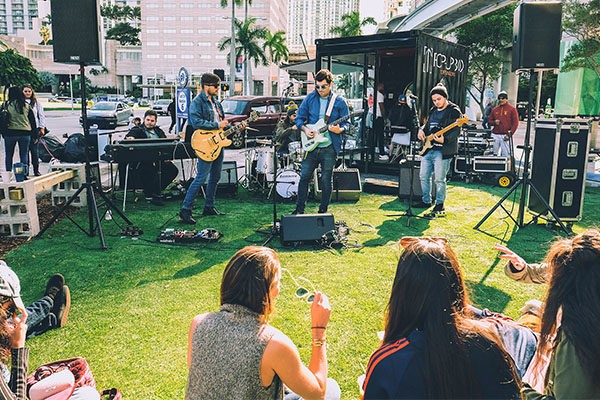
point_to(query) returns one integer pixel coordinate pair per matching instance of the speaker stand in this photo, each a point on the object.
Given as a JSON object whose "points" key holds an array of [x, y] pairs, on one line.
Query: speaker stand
{"points": [[525, 181], [90, 185]]}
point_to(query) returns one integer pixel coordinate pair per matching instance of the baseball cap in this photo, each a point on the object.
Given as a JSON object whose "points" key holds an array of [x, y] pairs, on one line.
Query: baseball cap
{"points": [[503, 95], [10, 285]]}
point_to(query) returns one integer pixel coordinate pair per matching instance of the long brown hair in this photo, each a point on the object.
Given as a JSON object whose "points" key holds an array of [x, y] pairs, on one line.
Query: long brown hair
{"points": [[5, 346], [574, 291], [429, 294], [248, 277]]}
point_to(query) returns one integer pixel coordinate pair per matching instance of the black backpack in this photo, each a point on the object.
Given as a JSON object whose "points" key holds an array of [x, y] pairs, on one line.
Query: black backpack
{"points": [[74, 149], [50, 147], [4, 118]]}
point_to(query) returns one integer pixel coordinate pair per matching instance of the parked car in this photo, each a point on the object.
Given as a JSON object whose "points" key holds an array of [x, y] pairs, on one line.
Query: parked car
{"points": [[161, 106], [143, 102], [108, 114], [270, 109]]}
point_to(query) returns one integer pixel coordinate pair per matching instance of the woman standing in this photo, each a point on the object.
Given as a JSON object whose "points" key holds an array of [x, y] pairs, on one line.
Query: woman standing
{"points": [[571, 321], [38, 130], [431, 348], [235, 354], [19, 127]]}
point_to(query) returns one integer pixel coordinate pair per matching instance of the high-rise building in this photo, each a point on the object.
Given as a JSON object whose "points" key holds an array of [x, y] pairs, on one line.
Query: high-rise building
{"points": [[395, 8], [313, 19], [16, 15], [187, 33]]}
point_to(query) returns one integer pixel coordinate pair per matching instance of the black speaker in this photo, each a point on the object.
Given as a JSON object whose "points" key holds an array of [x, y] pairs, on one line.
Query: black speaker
{"points": [[560, 152], [345, 185], [537, 35], [228, 184], [404, 183], [305, 227], [76, 31]]}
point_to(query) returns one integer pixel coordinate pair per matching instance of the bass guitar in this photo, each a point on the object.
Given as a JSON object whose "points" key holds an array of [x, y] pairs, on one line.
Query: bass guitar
{"points": [[322, 129], [208, 144], [428, 142]]}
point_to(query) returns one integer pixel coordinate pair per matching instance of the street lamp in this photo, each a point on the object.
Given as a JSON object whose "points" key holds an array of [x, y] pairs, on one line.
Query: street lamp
{"points": [[232, 55]]}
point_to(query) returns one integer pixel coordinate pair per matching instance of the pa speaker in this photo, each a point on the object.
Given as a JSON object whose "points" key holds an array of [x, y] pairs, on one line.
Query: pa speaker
{"points": [[305, 227], [537, 35], [346, 184], [76, 31]]}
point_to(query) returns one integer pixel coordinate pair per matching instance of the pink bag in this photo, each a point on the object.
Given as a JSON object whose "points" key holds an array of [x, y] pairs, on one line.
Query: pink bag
{"points": [[78, 366], [57, 386]]}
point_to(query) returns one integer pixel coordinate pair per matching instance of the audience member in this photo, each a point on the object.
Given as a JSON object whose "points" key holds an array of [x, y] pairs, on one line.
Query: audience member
{"points": [[431, 347], [19, 128], [38, 130], [235, 353], [571, 321], [519, 270]]}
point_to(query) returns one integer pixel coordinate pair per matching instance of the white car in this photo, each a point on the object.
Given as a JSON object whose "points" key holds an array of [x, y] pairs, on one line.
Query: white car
{"points": [[161, 106]]}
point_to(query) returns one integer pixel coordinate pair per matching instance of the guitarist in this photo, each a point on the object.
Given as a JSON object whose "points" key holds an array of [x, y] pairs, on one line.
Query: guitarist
{"points": [[206, 113], [437, 160], [315, 107]]}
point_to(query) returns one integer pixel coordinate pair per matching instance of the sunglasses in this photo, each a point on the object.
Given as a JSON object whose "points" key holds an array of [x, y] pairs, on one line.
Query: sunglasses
{"points": [[321, 87], [502, 98], [215, 85], [301, 291], [408, 241]]}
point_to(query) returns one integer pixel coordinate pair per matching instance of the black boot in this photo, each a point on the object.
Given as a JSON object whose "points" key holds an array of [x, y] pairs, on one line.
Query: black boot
{"points": [[186, 216]]}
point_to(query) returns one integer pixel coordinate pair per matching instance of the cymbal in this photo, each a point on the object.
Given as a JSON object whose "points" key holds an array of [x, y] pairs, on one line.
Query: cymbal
{"points": [[264, 142]]}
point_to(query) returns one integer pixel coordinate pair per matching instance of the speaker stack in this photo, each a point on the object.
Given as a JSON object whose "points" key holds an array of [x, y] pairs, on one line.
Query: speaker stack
{"points": [[76, 32]]}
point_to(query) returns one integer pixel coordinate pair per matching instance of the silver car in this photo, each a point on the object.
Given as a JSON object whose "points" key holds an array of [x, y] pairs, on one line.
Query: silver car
{"points": [[161, 106], [108, 114]]}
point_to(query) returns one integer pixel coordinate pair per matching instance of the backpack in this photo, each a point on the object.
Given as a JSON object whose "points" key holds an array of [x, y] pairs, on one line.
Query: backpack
{"points": [[50, 148], [74, 149], [4, 118]]}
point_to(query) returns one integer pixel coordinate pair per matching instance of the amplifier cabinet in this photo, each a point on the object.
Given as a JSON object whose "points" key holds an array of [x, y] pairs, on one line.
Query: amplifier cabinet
{"points": [[560, 152], [491, 164], [346, 184], [305, 227]]}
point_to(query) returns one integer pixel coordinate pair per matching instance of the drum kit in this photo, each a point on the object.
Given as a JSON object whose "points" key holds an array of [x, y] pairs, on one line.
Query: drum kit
{"points": [[261, 176]]}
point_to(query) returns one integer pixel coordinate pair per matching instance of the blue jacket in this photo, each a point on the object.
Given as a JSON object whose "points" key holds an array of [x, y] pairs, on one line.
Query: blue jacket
{"points": [[308, 113], [202, 113]]}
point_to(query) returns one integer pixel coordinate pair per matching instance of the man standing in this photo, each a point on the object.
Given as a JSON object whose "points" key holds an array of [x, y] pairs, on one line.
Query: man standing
{"points": [[379, 123], [154, 176], [320, 104], [486, 114], [505, 120], [206, 113], [437, 160]]}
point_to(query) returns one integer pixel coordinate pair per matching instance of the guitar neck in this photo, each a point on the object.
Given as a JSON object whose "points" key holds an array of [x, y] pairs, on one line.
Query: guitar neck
{"points": [[443, 130], [337, 121]]}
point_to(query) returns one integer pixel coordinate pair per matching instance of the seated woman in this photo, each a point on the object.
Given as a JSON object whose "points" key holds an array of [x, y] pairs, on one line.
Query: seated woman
{"points": [[431, 347], [235, 354], [571, 321]]}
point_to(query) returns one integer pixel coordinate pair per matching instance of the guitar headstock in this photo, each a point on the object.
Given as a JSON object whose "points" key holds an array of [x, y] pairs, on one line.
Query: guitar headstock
{"points": [[462, 120], [254, 115]]}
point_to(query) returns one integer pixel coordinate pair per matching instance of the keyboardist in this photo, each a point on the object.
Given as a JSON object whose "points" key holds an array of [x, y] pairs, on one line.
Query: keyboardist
{"points": [[154, 176]]}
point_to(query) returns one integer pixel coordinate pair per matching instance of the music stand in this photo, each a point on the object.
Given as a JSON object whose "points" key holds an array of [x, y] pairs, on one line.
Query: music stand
{"points": [[525, 181], [90, 185]]}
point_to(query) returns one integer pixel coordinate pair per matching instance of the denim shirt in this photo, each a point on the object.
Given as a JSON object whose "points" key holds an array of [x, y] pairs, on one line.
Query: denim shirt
{"points": [[308, 113], [201, 112]]}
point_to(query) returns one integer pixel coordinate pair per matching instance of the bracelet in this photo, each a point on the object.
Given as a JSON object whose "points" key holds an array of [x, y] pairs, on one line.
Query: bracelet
{"points": [[318, 327], [318, 342]]}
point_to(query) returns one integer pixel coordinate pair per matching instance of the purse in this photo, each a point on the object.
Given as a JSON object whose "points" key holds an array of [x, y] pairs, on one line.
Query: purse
{"points": [[78, 367], [57, 386]]}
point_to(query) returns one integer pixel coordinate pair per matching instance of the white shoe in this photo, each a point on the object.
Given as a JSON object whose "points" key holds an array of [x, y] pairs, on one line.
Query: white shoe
{"points": [[384, 157]]}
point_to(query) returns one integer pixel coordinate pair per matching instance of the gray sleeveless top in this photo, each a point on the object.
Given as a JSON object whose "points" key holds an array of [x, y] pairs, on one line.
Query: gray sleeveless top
{"points": [[227, 349]]}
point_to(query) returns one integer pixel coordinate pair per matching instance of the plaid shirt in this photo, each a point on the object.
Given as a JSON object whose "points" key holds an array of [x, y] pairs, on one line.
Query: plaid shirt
{"points": [[15, 389]]}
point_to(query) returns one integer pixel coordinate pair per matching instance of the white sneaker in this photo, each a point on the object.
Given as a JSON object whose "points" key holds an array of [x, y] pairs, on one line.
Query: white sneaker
{"points": [[384, 157]]}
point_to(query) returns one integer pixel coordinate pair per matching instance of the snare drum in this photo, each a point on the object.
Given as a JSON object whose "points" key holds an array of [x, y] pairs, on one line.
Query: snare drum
{"points": [[287, 183], [264, 161]]}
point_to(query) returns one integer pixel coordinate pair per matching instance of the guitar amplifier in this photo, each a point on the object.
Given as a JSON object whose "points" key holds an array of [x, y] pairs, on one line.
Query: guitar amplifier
{"points": [[305, 227], [346, 184], [491, 164]]}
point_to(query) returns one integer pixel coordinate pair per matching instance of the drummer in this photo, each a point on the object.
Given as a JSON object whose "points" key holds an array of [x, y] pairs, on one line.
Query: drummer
{"points": [[286, 132]]}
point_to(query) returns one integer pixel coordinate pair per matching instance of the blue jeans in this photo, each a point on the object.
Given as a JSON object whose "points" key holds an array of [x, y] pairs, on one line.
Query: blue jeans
{"points": [[433, 163], [39, 317], [35, 154], [325, 156], [212, 170], [10, 142]]}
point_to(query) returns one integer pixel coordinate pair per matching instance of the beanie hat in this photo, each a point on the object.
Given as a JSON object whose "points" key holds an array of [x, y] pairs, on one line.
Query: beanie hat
{"points": [[503, 95], [291, 111], [439, 89]]}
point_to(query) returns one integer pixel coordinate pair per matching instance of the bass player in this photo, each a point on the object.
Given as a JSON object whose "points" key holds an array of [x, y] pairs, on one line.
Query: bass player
{"points": [[320, 105], [206, 113], [437, 159]]}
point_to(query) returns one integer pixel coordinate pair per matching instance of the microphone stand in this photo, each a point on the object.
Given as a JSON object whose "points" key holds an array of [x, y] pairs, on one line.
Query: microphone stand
{"points": [[274, 229]]}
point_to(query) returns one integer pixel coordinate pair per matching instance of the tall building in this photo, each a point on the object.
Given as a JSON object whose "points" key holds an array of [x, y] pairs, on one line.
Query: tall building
{"points": [[313, 19], [395, 8], [186, 33], [16, 15]]}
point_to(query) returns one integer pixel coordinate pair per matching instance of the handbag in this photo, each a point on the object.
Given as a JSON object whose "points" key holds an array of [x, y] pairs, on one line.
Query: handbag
{"points": [[78, 367], [57, 386], [4, 118]]}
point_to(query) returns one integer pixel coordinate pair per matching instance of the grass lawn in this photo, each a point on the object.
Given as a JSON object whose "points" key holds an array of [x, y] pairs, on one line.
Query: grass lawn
{"points": [[132, 304]]}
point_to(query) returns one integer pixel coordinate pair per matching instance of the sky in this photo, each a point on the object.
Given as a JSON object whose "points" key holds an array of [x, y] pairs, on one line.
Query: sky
{"points": [[371, 8]]}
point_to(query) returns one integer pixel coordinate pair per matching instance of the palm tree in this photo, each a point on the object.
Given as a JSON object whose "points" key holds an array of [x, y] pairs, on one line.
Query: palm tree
{"points": [[275, 45], [352, 25], [247, 40]]}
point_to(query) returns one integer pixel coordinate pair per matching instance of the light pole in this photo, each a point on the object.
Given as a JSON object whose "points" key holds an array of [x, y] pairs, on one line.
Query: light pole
{"points": [[232, 55]]}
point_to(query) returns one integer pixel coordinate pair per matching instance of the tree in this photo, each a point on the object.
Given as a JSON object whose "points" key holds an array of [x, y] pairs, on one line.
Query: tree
{"points": [[45, 34], [486, 37], [352, 25], [124, 30], [47, 81], [274, 44], [580, 20], [247, 41], [16, 70], [77, 87]]}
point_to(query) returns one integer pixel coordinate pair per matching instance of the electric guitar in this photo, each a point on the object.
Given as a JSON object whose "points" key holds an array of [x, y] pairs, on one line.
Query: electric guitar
{"points": [[208, 144], [428, 142], [322, 129]]}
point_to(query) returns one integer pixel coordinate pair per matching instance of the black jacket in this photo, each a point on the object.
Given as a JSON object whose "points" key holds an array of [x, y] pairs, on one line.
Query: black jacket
{"points": [[139, 132], [450, 147]]}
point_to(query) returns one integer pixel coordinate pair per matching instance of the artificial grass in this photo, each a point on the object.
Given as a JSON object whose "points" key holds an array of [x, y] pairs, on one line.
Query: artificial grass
{"points": [[132, 304]]}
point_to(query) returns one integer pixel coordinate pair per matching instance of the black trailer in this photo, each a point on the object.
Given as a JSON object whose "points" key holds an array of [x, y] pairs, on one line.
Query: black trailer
{"points": [[405, 62]]}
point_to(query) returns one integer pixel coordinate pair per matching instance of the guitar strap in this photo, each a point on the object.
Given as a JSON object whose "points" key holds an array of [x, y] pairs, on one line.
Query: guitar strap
{"points": [[330, 108]]}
